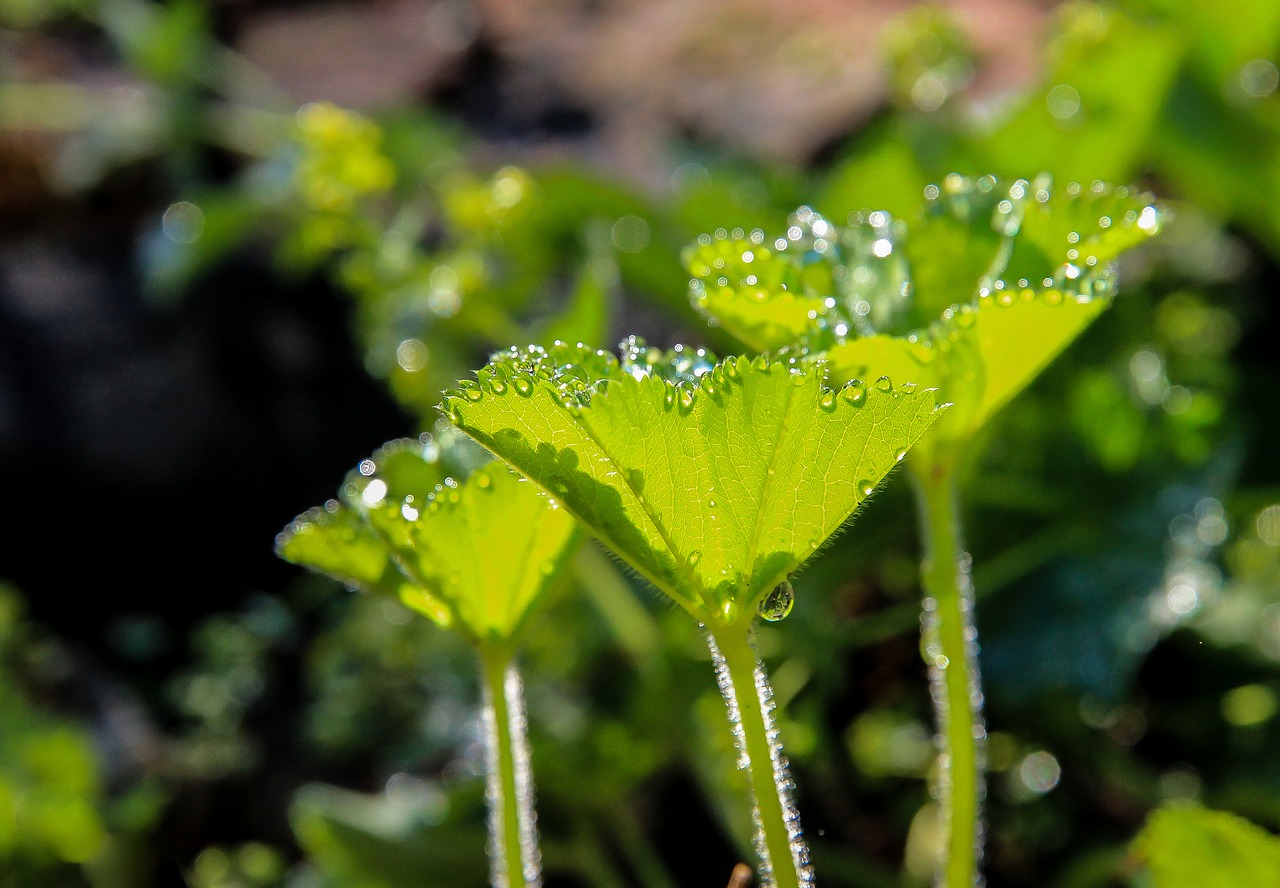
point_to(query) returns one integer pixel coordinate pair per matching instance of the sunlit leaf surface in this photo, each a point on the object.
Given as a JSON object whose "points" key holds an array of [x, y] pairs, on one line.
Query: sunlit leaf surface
{"points": [[714, 485], [475, 555]]}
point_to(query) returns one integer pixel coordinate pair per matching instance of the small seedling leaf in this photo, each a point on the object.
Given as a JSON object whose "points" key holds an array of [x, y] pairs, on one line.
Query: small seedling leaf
{"points": [[475, 556]]}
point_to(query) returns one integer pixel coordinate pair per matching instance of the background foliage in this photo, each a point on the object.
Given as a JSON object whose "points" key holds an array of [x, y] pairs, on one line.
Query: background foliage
{"points": [[221, 289]]}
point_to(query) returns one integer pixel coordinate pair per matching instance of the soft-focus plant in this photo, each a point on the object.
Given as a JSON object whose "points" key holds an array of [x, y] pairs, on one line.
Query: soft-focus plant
{"points": [[1191, 847], [479, 557], [1012, 272], [713, 481]]}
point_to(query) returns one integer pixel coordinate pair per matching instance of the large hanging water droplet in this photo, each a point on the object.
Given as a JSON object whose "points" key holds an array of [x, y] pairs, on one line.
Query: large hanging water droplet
{"points": [[778, 603], [523, 386]]}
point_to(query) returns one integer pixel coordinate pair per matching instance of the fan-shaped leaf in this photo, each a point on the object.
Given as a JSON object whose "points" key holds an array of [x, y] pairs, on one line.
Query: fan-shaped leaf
{"points": [[404, 526], [713, 490], [761, 293], [979, 358]]}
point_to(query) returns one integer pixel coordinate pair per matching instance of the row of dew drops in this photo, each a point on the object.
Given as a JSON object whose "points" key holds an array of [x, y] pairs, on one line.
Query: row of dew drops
{"points": [[579, 372], [876, 237]]}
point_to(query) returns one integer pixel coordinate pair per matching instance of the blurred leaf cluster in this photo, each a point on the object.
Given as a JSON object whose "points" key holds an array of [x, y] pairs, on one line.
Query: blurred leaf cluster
{"points": [[1125, 513]]}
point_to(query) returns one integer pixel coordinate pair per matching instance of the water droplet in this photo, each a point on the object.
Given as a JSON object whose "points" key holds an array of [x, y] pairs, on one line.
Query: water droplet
{"points": [[884, 384], [523, 386], [472, 394], [865, 487], [855, 393], [900, 454], [483, 481], [778, 603], [686, 399], [828, 400], [694, 557]]}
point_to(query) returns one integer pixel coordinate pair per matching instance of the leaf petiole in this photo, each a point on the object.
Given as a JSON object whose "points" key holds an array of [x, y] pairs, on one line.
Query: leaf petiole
{"points": [[950, 651], [779, 843], [514, 860]]}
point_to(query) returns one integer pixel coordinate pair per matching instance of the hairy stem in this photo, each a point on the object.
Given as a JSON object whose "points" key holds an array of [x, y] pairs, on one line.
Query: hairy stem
{"points": [[784, 857], [514, 860], [950, 650]]}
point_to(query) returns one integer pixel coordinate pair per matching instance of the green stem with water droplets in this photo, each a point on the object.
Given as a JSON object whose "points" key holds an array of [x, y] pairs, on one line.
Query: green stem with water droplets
{"points": [[950, 651], [784, 858], [513, 842]]}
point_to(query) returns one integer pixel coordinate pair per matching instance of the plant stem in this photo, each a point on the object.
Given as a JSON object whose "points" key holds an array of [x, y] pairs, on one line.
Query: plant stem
{"points": [[514, 859], [950, 650], [784, 857]]}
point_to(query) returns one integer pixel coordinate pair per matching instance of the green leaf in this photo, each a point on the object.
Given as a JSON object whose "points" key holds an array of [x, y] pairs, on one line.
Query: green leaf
{"points": [[404, 526], [714, 490], [1196, 848], [1066, 238], [766, 295], [1016, 270], [978, 357]]}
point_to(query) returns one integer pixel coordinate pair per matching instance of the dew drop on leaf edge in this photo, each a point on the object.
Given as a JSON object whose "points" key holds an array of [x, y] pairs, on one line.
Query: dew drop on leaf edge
{"points": [[778, 603]]}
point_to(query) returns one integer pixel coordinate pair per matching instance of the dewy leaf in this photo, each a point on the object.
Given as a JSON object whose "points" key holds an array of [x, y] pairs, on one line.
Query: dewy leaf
{"points": [[875, 282], [714, 490], [768, 295], [332, 540], [1066, 238], [404, 526], [1196, 848], [979, 358], [488, 548], [1047, 259]]}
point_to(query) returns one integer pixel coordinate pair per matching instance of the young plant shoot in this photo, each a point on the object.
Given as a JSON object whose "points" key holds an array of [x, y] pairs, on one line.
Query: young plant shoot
{"points": [[975, 298], [713, 481], [403, 526]]}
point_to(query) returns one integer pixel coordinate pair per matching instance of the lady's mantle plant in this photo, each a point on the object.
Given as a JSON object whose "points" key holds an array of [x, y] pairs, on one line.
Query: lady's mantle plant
{"points": [[983, 289], [478, 557], [715, 482]]}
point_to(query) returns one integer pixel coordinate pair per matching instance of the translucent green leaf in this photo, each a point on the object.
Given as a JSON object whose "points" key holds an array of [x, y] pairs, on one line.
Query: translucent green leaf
{"points": [[1066, 238], [488, 548], [404, 526], [954, 242], [766, 295], [714, 490], [978, 357], [1016, 271], [1196, 848], [875, 282], [333, 540]]}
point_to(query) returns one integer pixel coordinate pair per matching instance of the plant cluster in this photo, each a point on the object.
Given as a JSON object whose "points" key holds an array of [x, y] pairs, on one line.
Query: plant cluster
{"points": [[1115, 512]]}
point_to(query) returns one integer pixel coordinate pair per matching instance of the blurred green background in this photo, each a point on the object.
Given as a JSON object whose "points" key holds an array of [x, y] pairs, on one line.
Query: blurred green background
{"points": [[244, 242]]}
